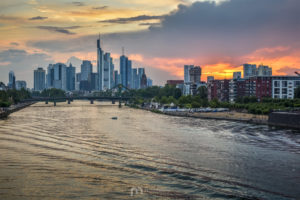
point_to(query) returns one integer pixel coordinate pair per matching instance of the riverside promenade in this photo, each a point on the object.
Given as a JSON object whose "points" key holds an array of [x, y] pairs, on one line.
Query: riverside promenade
{"points": [[5, 112]]}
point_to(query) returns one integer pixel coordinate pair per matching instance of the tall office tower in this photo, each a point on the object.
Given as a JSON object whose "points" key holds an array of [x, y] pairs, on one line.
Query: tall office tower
{"points": [[124, 70], [39, 79], [117, 78], [100, 64], [11, 80], [134, 79], [112, 69], [129, 71], [20, 85], [50, 76], [141, 71], [149, 82], [60, 76], [94, 81], [86, 70], [106, 72], [78, 79], [210, 78], [195, 75], [71, 76], [237, 75], [143, 81], [263, 70], [249, 70], [187, 77]]}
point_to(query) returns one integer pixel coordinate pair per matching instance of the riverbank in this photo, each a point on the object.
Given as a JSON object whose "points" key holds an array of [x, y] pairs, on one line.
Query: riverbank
{"points": [[5, 112]]}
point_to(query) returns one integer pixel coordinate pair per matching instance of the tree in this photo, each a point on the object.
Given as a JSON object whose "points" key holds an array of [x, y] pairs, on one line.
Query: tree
{"points": [[202, 92]]}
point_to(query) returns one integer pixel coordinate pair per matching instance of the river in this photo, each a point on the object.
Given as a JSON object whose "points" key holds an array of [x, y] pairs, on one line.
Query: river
{"points": [[78, 151]]}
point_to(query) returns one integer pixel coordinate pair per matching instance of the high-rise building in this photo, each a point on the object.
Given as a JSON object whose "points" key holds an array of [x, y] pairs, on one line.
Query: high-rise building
{"points": [[86, 70], [100, 64], [134, 78], [149, 82], [11, 80], [144, 81], [141, 71], [187, 68], [107, 72], [195, 75], [263, 70], [125, 71], [50, 76], [237, 75], [39, 79], [129, 76], [94, 81], [20, 85], [249, 70], [71, 76], [210, 78], [60, 76]]}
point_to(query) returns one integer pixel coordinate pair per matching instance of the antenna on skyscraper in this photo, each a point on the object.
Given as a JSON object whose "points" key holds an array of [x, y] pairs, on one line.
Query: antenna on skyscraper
{"points": [[123, 51]]}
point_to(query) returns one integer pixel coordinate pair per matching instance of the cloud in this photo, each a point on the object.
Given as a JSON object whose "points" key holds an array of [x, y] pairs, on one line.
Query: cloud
{"points": [[216, 36], [100, 8], [78, 3], [150, 24], [131, 19], [23, 63], [64, 30], [38, 18], [14, 44]]}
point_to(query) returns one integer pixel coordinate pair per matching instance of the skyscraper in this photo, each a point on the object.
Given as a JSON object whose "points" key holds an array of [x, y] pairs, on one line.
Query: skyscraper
{"points": [[149, 82], [11, 80], [143, 81], [187, 68], [249, 70], [141, 71], [263, 70], [134, 78], [86, 70], [71, 73], [195, 74], [117, 78], [107, 72], [237, 75], [20, 85], [39, 79], [50, 76], [58, 76], [124, 70], [100, 64]]}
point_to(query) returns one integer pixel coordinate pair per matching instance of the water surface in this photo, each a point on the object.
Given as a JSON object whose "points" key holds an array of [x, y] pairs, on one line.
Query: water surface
{"points": [[78, 152]]}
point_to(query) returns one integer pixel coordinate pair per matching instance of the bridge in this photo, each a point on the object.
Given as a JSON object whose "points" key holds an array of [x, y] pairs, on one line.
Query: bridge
{"points": [[71, 99]]}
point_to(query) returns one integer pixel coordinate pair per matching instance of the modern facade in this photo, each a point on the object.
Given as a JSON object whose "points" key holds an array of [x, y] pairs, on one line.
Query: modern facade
{"points": [[237, 75], [249, 70], [39, 82], [218, 89], [86, 70], [71, 77], [263, 70], [20, 85], [195, 75], [11, 80], [149, 82], [283, 87], [100, 65], [57, 76]]}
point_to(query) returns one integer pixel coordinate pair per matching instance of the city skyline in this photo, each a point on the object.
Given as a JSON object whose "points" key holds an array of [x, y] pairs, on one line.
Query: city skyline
{"points": [[220, 44]]}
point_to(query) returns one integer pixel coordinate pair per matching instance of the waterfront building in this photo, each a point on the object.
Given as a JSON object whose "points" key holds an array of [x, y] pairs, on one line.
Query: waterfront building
{"points": [[134, 78], [117, 78], [174, 82], [237, 75], [141, 71], [218, 89], [249, 70], [60, 76], [210, 78], [20, 85], [86, 70], [71, 77], [143, 81], [39, 79], [237, 89], [94, 81], [283, 87], [11, 80], [187, 68]]}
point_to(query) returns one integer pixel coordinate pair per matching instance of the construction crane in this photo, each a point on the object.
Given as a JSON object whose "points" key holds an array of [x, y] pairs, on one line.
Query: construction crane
{"points": [[297, 73]]}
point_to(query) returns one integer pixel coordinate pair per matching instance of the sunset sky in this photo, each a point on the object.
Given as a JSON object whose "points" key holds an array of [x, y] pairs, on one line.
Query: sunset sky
{"points": [[161, 36]]}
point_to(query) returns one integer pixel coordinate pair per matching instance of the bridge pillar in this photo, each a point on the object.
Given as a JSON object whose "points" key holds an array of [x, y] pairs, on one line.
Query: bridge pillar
{"points": [[46, 102], [69, 101], [92, 101], [113, 101], [54, 102], [120, 104]]}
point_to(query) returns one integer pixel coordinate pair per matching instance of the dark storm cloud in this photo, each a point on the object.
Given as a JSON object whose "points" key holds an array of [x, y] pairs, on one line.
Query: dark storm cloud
{"points": [[100, 8], [131, 19], [64, 30], [38, 18], [78, 3]]}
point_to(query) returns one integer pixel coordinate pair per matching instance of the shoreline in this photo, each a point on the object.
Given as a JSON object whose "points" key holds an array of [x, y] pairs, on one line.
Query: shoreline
{"points": [[227, 116], [14, 108]]}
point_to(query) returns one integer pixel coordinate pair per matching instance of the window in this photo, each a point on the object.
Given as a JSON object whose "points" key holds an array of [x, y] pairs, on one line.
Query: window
{"points": [[276, 83], [277, 91], [284, 91], [284, 83]]}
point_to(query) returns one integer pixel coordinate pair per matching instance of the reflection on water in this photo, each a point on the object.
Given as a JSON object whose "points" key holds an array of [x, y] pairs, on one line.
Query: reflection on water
{"points": [[78, 152]]}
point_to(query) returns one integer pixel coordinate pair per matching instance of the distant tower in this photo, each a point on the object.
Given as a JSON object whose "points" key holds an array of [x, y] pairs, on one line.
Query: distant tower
{"points": [[100, 64]]}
